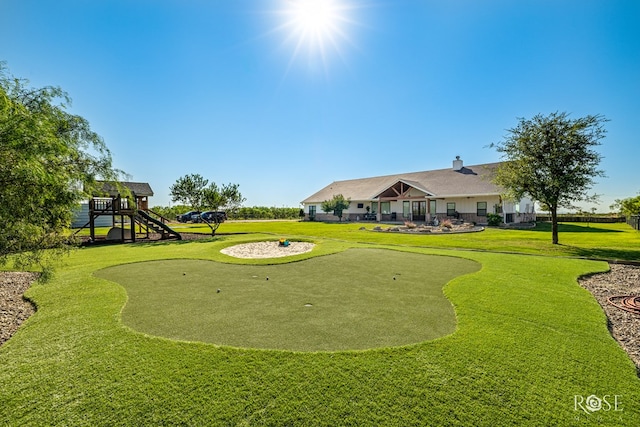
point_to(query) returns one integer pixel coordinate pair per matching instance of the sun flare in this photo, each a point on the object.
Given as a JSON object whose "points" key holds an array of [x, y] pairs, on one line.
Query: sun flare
{"points": [[314, 17], [316, 28]]}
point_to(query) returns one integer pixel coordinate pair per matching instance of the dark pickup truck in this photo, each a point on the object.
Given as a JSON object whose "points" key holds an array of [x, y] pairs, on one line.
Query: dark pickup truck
{"points": [[186, 217]]}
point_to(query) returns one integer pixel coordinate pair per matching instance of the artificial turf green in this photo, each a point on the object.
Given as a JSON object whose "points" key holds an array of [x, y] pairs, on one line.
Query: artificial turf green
{"points": [[353, 300], [528, 341]]}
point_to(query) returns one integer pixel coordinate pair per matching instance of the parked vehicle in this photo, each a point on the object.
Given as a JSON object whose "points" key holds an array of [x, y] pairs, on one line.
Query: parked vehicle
{"points": [[214, 216], [189, 216]]}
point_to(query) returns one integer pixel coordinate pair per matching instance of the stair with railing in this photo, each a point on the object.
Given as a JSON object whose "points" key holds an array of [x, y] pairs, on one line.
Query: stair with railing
{"points": [[154, 221]]}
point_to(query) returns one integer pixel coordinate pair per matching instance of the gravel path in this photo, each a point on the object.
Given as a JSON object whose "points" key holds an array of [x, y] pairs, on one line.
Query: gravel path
{"points": [[13, 308], [621, 280]]}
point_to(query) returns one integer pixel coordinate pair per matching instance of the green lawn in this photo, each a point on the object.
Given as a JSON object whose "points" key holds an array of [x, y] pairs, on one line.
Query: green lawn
{"points": [[528, 340], [615, 241]]}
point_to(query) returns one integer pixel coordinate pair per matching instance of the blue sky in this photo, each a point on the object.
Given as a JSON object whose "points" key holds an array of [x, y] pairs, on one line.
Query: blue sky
{"points": [[243, 91]]}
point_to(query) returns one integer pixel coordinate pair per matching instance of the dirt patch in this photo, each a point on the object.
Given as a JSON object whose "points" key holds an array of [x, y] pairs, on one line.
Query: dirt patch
{"points": [[14, 309], [624, 326]]}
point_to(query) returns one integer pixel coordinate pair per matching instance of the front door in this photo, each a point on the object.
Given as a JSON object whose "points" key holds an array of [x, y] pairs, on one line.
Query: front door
{"points": [[419, 210]]}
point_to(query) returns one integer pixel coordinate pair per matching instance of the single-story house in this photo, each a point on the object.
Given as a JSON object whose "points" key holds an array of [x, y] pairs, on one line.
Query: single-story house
{"points": [[461, 192]]}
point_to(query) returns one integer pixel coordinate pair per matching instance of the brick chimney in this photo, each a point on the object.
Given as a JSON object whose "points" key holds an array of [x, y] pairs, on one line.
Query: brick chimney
{"points": [[457, 164]]}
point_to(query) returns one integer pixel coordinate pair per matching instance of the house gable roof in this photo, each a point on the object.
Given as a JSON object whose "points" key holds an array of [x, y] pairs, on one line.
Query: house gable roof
{"points": [[469, 181], [399, 187]]}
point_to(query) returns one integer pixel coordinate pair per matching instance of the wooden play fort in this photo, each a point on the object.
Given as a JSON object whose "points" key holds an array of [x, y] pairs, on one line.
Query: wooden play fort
{"points": [[130, 215]]}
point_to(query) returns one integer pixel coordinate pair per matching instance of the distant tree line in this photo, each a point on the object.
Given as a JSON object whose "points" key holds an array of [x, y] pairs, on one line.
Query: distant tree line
{"points": [[255, 212], [263, 212]]}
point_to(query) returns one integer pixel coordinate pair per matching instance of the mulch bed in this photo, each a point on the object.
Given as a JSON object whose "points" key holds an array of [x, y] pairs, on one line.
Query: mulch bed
{"points": [[621, 280], [623, 325], [153, 237], [14, 309]]}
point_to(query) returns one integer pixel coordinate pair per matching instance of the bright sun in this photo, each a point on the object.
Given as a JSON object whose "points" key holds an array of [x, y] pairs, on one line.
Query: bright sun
{"points": [[316, 27], [314, 18]]}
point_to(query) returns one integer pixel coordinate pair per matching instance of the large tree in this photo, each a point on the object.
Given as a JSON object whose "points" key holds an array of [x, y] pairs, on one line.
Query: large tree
{"points": [[49, 162], [551, 159]]}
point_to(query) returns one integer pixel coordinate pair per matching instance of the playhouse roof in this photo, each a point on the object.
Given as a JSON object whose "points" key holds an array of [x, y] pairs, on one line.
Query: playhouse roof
{"points": [[138, 189]]}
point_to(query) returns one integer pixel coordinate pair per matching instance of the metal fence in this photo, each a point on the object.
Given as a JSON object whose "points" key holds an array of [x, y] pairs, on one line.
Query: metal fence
{"points": [[583, 218], [634, 221]]}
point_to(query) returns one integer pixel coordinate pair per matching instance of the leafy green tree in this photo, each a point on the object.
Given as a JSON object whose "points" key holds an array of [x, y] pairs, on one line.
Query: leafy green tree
{"points": [[337, 205], [196, 191], [49, 162], [226, 197], [189, 190], [233, 199], [551, 159]]}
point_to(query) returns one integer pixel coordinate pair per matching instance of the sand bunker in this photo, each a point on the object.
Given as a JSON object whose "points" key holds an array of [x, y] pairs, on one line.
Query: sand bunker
{"points": [[267, 249]]}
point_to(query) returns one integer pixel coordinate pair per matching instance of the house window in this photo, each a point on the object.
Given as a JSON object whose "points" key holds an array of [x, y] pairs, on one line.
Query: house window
{"points": [[451, 208], [360, 205], [432, 207], [312, 211], [374, 207], [385, 207], [481, 209], [406, 209]]}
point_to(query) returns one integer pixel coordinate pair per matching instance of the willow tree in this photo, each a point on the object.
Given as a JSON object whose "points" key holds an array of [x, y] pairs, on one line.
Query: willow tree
{"points": [[552, 160], [50, 160]]}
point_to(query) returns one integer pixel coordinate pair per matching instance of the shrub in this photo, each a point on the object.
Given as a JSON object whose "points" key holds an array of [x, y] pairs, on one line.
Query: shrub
{"points": [[494, 219]]}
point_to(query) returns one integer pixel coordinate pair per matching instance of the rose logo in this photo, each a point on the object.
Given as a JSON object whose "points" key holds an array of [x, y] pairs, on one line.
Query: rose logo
{"points": [[593, 403]]}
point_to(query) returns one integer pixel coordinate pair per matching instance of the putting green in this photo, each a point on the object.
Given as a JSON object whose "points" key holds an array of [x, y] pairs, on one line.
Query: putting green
{"points": [[357, 299]]}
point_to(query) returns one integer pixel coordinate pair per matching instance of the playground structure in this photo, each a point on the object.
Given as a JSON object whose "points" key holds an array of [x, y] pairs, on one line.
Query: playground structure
{"points": [[135, 217]]}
